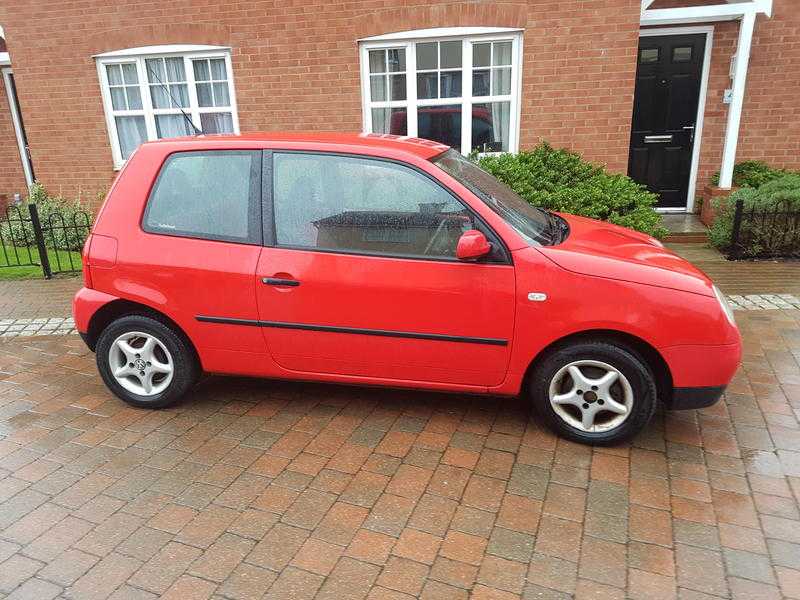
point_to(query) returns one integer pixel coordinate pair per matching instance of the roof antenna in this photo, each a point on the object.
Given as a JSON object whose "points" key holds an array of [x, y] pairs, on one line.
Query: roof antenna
{"points": [[175, 102]]}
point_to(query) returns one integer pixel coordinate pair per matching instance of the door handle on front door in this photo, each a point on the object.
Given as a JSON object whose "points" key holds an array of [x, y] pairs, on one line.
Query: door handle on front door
{"points": [[690, 129], [279, 281]]}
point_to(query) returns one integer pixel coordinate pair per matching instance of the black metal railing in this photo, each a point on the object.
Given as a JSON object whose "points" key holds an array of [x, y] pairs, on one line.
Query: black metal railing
{"points": [[18, 243], [52, 242], [765, 231]]}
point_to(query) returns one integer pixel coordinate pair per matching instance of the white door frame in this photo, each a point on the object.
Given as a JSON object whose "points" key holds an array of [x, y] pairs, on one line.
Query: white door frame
{"points": [[16, 118], [701, 102]]}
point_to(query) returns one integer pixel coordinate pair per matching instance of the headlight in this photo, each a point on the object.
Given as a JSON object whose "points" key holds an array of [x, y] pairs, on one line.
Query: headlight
{"points": [[726, 308]]}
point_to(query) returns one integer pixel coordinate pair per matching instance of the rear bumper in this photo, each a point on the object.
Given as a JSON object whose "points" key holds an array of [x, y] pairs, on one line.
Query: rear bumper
{"points": [[84, 305], [687, 398]]}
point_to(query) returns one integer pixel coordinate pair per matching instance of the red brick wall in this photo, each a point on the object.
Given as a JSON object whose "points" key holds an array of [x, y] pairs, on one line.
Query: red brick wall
{"points": [[770, 128], [12, 178], [296, 67]]}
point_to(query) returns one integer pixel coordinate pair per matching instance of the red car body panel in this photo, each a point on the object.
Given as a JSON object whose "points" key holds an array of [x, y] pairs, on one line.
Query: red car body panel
{"points": [[370, 292], [602, 277]]}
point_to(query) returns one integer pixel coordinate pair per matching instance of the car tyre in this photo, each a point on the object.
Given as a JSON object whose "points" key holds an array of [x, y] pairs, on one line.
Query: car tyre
{"points": [[594, 392], [145, 362]]}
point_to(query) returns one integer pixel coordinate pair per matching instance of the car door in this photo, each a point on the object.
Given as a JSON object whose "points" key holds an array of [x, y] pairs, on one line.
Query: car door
{"points": [[361, 279], [197, 252]]}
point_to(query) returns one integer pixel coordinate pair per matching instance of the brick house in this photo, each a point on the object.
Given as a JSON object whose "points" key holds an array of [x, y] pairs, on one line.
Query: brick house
{"points": [[669, 91]]}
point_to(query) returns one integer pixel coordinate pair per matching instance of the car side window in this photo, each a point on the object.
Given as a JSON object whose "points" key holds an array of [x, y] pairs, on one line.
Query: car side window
{"points": [[213, 195], [362, 205]]}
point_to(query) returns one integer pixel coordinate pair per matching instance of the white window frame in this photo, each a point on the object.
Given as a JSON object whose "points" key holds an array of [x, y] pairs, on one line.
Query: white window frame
{"points": [[467, 35], [137, 56]]}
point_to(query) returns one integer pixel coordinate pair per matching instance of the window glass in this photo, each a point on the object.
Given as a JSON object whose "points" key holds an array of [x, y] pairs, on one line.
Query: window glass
{"points": [[501, 53], [364, 206], [440, 81], [387, 80], [440, 123], [123, 84], [390, 120], [151, 97], [530, 222], [211, 82], [167, 77], [131, 132], [491, 123], [450, 55], [682, 54], [212, 195], [427, 56], [495, 78], [648, 55]]}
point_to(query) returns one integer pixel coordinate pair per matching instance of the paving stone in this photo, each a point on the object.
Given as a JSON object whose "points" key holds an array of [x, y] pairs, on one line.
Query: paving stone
{"points": [[15, 570], [510, 544], [350, 579], [748, 565], [67, 567], [297, 490], [104, 577]]}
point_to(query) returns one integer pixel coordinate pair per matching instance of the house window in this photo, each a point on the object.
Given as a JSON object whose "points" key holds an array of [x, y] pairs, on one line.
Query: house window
{"points": [[458, 87], [176, 91]]}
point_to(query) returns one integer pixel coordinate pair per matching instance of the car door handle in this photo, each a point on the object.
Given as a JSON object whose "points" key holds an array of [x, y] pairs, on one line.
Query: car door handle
{"points": [[279, 281]]}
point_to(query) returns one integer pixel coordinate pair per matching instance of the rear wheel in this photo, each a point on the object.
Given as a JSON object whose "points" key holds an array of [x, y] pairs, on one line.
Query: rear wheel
{"points": [[145, 362], [594, 392]]}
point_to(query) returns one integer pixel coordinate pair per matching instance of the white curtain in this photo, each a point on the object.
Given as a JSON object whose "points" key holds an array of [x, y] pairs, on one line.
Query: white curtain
{"points": [[216, 122], [131, 131], [172, 126], [501, 123]]}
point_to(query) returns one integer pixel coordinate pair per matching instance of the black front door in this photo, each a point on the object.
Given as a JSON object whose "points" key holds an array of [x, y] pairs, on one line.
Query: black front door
{"points": [[668, 80]]}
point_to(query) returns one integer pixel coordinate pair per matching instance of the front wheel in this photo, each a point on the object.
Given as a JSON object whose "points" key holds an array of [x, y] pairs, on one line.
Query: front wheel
{"points": [[594, 392], [145, 362]]}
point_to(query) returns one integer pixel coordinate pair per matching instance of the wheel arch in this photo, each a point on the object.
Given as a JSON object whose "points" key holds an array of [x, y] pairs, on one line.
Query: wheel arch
{"points": [[118, 308], [644, 350]]}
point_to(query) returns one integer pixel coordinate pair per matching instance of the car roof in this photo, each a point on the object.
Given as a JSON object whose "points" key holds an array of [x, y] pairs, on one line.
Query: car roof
{"points": [[368, 143]]}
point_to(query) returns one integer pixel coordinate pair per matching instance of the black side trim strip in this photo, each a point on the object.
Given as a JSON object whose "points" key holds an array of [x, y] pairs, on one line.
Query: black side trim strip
{"points": [[378, 332]]}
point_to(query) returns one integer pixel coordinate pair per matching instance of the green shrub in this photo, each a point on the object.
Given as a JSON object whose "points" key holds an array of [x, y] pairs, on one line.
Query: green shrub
{"points": [[752, 173], [777, 235], [65, 222], [560, 180]]}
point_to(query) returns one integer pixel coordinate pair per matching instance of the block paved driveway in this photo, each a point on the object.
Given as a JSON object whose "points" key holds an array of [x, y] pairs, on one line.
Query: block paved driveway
{"points": [[255, 489]]}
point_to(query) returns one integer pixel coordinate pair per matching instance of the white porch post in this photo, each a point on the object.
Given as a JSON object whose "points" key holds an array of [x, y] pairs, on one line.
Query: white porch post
{"points": [[741, 63]]}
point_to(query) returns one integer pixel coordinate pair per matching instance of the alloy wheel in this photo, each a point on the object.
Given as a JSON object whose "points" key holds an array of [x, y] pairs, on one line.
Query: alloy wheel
{"points": [[591, 396], [141, 363]]}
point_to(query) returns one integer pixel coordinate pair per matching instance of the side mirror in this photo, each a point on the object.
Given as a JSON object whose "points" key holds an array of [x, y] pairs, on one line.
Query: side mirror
{"points": [[472, 245]]}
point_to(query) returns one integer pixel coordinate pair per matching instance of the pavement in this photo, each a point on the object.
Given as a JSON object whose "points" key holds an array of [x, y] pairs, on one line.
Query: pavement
{"points": [[265, 489]]}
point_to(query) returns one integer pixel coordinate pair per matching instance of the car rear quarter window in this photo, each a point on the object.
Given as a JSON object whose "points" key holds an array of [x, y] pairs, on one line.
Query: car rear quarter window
{"points": [[364, 206], [211, 195]]}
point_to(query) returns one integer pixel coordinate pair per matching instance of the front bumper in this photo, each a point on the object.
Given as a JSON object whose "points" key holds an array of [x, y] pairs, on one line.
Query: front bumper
{"points": [[87, 340], [687, 398], [702, 366]]}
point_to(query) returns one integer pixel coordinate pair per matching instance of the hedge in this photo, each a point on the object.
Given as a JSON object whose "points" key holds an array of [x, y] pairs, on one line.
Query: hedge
{"points": [[560, 180]]}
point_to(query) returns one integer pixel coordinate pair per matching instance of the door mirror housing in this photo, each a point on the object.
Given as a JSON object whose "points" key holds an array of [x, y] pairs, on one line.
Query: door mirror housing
{"points": [[472, 245]]}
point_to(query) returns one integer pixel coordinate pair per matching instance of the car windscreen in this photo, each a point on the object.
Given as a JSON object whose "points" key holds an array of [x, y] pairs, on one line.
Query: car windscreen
{"points": [[533, 224]]}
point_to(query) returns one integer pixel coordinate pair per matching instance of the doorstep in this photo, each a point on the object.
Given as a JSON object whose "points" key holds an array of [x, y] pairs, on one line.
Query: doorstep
{"points": [[685, 228]]}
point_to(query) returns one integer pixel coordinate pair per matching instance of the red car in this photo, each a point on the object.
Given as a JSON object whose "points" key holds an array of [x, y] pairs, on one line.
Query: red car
{"points": [[380, 260]]}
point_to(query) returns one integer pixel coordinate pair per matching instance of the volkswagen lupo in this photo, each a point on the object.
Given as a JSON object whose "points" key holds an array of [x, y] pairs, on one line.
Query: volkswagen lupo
{"points": [[380, 260]]}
